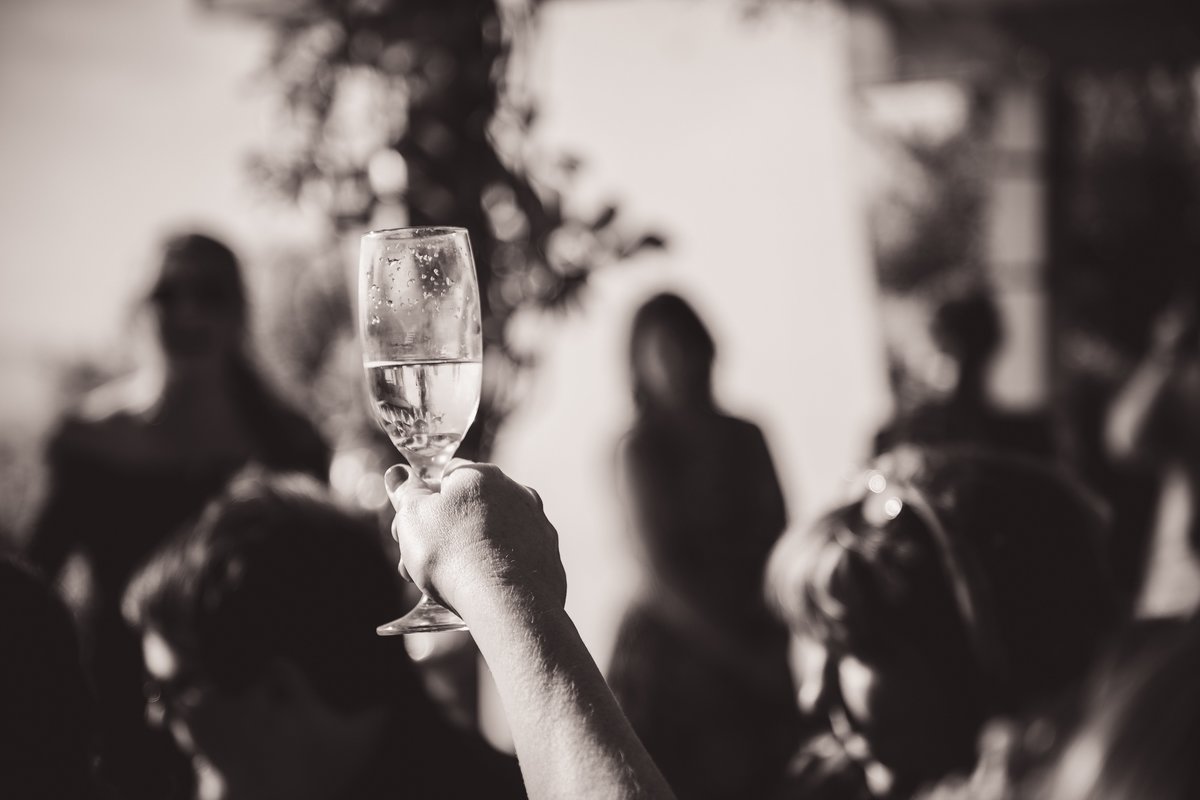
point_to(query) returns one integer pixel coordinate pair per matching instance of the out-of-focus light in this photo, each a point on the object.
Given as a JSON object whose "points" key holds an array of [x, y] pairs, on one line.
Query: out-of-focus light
{"points": [[160, 659], [370, 492], [876, 483], [932, 111], [1078, 768], [892, 507], [356, 475], [420, 646], [387, 173]]}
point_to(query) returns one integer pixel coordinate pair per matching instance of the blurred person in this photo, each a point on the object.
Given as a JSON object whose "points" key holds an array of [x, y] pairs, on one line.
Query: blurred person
{"points": [[141, 456], [482, 546], [1154, 424], [258, 634], [1139, 729], [956, 586], [47, 725], [967, 330], [1050, 754], [700, 664]]}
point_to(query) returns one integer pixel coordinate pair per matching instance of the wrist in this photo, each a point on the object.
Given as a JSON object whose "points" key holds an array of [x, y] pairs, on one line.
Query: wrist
{"points": [[492, 603]]}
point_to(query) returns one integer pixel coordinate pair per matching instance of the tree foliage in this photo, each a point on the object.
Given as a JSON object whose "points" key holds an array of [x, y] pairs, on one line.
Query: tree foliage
{"points": [[424, 104]]}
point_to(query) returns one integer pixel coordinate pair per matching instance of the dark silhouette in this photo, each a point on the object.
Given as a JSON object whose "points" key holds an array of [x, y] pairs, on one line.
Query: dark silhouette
{"points": [[968, 332], [700, 666], [142, 456], [47, 714], [259, 637], [958, 586]]}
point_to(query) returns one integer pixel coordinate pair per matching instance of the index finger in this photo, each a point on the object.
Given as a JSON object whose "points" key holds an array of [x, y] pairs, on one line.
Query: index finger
{"points": [[457, 463]]}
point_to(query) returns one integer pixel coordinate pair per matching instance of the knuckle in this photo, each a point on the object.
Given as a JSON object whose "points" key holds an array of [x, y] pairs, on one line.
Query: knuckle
{"points": [[488, 474], [462, 480]]}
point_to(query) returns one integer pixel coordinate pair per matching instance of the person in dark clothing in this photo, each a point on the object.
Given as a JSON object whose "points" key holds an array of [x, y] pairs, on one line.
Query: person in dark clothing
{"points": [[700, 665], [258, 634], [967, 331], [954, 587], [141, 457], [47, 713]]}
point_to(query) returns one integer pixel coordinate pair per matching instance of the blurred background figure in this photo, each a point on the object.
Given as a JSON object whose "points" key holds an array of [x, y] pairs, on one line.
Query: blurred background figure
{"points": [[1116, 736], [1139, 727], [258, 634], [968, 332], [47, 713], [141, 456], [700, 665], [956, 586], [1154, 425]]}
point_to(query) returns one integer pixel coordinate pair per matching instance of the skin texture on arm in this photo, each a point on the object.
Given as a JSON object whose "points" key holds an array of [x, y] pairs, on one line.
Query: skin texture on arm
{"points": [[484, 548]]}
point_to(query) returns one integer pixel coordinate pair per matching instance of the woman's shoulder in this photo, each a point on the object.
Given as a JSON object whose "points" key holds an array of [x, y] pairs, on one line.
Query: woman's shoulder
{"points": [[111, 418], [742, 436], [120, 402]]}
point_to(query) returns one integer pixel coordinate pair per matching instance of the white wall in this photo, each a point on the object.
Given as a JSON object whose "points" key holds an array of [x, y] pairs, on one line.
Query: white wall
{"points": [[119, 120]]}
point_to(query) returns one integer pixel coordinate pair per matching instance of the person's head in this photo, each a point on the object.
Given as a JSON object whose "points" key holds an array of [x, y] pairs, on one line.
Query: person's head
{"points": [[46, 722], [1139, 728], [199, 301], [966, 328], [955, 585], [671, 354], [258, 629]]}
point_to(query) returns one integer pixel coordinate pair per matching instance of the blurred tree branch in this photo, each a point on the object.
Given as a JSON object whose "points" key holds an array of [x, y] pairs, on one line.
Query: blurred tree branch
{"points": [[423, 105]]}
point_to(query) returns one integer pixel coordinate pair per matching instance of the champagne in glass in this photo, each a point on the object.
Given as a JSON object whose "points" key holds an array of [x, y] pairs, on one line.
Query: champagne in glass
{"points": [[425, 408], [422, 349]]}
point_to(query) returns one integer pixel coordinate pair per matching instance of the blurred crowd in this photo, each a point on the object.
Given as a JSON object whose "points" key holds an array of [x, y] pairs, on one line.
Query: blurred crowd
{"points": [[965, 624]]}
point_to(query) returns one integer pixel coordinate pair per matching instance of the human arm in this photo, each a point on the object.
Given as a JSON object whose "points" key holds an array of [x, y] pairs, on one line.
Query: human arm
{"points": [[1139, 423], [483, 546]]}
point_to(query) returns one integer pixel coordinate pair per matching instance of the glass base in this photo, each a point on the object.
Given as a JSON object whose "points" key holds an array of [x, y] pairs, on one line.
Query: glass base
{"points": [[426, 617]]}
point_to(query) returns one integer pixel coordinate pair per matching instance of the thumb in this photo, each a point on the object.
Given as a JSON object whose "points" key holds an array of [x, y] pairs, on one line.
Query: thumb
{"points": [[400, 480]]}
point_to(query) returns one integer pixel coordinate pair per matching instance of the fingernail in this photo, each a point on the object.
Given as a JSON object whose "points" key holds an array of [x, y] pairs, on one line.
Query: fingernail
{"points": [[395, 477]]}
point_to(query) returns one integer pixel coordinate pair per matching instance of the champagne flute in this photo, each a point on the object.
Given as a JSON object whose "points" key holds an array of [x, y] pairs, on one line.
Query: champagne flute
{"points": [[419, 319]]}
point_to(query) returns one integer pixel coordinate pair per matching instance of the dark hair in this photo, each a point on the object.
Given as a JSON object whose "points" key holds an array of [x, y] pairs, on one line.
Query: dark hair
{"points": [[221, 279], [671, 315], [1027, 552], [869, 590], [47, 723], [287, 439], [275, 569], [967, 327]]}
